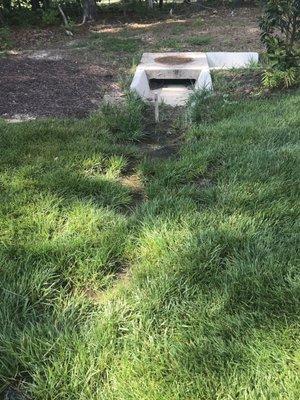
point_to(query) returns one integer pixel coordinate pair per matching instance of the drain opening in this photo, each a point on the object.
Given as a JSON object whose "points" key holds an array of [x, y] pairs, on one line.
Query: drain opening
{"points": [[163, 83]]}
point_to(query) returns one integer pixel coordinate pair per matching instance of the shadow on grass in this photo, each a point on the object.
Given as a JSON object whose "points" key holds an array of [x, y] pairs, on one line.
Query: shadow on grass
{"points": [[211, 306]]}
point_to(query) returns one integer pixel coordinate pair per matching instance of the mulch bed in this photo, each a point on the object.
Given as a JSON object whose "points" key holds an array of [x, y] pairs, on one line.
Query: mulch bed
{"points": [[44, 88]]}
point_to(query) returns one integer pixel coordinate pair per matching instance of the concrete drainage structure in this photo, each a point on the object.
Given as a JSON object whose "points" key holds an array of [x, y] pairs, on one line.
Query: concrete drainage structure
{"points": [[171, 77]]}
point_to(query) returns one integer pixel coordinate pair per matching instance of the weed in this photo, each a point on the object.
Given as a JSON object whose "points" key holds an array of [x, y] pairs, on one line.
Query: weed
{"points": [[198, 22], [274, 78], [113, 44], [199, 40], [178, 29], [123, 121], [207, 107]]}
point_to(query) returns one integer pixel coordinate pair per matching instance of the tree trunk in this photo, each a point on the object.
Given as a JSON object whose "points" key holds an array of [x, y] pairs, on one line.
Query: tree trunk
{"points": [[150, 4], [89, 11], [161, 3]]}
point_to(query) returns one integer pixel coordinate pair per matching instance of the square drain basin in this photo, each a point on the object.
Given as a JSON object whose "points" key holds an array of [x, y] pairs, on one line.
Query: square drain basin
{"points": [[171, 77]]}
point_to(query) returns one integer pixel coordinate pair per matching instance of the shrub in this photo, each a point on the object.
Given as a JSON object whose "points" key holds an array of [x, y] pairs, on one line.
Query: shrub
{"points": [[280, 27]]}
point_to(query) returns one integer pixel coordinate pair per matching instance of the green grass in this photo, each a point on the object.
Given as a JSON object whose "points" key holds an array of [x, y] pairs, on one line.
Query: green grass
{"points": [[110, 43], [199, 40], [178, 29], [177, 44], [210, 307], [169, 44]]}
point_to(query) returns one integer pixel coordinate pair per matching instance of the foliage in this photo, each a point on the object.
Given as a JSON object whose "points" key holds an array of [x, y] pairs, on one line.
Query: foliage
{"points": [[50, 17], [45, 14], [30, 12], [280, 27], [5, 40], [275, 78]]}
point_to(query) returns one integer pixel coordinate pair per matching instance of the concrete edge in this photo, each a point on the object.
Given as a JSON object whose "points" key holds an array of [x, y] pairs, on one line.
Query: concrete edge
{"points": [[140, 83], [225, 60]]}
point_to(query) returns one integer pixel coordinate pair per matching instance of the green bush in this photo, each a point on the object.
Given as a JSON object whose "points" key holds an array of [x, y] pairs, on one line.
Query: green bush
{"points": [[280, 26], [22, 14]]}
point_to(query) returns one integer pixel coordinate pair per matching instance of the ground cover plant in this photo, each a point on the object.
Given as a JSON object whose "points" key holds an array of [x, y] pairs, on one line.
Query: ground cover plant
{"points": [[189, 291]]}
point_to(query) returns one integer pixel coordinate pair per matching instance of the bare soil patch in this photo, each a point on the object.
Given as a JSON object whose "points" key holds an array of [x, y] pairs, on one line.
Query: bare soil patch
{"points": [[37, 87]]}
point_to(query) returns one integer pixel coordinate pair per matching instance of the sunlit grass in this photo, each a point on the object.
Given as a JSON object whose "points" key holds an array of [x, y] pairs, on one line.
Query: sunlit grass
{"points": [[210, 306]]}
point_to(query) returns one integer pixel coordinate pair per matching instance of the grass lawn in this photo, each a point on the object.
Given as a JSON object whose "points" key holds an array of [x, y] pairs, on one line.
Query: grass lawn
{"points": [[188, 291]]}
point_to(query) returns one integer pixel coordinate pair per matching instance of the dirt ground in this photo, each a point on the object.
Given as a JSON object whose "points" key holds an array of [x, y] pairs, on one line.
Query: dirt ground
{"points": [[39, 87], [48, 73]]}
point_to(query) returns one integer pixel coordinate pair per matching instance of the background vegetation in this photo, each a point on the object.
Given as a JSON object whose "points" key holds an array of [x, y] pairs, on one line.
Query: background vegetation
{"points": [[45, 12]]}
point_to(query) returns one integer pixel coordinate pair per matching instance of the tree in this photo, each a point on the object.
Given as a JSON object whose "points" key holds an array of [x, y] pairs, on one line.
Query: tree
{"points": [[150, 4], [89, 11]]}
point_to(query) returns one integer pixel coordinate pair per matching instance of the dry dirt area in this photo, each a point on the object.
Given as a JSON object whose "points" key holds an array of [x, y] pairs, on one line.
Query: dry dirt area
{"points": [[47, 73], [50, 87]]}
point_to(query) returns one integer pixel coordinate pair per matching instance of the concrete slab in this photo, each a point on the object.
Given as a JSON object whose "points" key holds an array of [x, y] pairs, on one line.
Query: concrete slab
{"points": [[173, 95], [225, 60], [173, 65]]}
